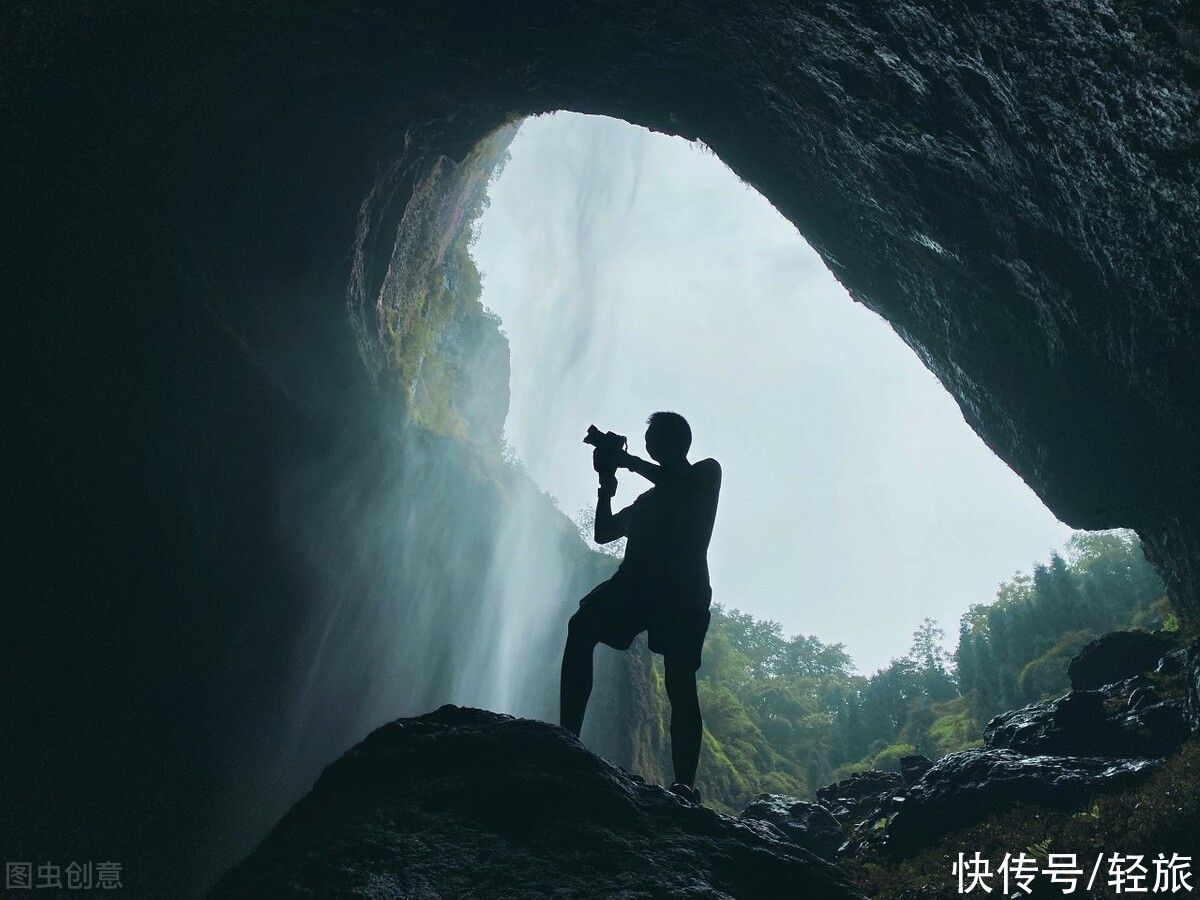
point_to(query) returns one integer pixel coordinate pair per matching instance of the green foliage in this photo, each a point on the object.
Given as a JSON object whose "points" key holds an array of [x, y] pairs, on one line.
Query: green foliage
{"points": [[1016, 649], [1157, 617], [1046, 676], [955, 728]]}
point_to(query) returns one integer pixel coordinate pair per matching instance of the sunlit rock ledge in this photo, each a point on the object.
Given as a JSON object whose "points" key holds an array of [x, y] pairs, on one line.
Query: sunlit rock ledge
{"points": [[469, 803]]}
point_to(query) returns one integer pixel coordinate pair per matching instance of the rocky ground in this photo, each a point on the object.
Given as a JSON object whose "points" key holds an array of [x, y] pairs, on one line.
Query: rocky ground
{"points": [[469, 803], [464, 802]]}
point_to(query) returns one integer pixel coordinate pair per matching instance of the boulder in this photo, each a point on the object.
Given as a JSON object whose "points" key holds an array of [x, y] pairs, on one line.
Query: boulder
{"points": [[966, 787], [1117, 656], [854, 798], [463, 802], [811, 825], [914, 766], [1138, 717], [1072, 724], [1174, 664]]}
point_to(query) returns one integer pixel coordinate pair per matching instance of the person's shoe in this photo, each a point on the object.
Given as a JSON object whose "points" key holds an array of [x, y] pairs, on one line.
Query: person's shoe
{"points": [[685, 792]]}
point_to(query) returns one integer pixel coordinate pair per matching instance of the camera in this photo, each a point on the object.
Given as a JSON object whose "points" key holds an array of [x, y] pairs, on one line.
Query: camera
{"points": [[609, 446], [607, 442]]}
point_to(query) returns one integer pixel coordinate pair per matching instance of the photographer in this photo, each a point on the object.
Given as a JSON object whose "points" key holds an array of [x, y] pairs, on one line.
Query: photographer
{"points": [[662, 585]]}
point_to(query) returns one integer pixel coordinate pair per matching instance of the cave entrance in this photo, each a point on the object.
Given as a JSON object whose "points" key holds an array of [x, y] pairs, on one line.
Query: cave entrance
{"points": [[633, 271]]}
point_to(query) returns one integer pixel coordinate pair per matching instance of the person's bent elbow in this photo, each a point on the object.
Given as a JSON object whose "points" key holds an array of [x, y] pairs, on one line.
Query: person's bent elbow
{"points": [[604, 537]]}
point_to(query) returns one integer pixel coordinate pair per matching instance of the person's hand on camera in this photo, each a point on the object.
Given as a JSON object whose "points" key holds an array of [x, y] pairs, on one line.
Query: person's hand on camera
{"points": [[624, 459], [606, 459], [608, 485]]}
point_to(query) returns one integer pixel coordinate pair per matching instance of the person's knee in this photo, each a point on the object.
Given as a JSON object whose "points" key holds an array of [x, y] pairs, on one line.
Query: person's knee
{"points": [[680, 682]]}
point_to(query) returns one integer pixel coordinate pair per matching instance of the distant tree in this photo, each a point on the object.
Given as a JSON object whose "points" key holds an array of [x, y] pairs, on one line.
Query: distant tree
{"points": [[965, 663], [929, 656]]}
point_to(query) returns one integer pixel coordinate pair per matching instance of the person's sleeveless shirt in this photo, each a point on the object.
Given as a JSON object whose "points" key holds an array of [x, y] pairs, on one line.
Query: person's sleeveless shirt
{"points": [[669, 527]]}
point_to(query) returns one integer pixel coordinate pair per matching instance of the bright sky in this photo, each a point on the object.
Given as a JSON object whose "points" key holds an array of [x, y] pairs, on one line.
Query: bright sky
{"points": [[634, 272]]}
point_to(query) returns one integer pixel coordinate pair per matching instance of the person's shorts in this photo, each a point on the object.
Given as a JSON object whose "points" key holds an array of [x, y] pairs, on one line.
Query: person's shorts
{"points": [[675, 617]]}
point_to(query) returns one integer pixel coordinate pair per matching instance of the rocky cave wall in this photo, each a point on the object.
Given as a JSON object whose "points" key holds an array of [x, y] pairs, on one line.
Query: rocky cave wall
{"points": [[1014, 190], [1014, 187]]}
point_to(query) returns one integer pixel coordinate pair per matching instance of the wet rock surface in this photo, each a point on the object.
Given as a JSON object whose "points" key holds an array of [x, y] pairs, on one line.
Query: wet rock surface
{"points": [[468, 803], [1116, 656], [913, 767], [966, 787], [810, 825], [1136, 717], [854, 798]]}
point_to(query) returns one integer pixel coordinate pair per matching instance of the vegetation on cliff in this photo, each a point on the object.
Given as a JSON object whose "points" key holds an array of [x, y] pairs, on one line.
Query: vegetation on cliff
{"points": [[445, 350]]}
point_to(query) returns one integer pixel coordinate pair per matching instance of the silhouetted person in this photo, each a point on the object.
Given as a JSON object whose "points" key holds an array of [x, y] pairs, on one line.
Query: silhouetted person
{"points": [[661, 586]]}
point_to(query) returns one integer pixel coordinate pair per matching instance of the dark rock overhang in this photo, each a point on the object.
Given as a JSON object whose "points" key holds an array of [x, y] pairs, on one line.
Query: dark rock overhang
{"points": [[1015, 190]]}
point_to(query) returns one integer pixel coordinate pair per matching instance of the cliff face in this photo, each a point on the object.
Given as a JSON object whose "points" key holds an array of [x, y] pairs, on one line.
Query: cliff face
{"points": [[203, 190], [414, 295]]}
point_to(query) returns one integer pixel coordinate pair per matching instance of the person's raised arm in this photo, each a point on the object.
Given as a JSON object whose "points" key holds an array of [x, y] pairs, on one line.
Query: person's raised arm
{"points": [[608, 527], [650, 471]]}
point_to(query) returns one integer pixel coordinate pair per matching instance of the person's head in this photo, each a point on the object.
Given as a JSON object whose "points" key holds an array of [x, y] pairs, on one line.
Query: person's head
{"points": [[668, 437]]}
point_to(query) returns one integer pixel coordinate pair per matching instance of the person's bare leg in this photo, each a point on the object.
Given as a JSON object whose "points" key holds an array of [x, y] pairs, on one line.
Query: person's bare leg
{"points": [[687, 727], [575, 685]]}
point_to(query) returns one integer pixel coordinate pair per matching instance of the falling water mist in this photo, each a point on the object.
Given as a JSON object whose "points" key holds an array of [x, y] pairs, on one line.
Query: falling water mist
{"points": [[447, 575]]}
